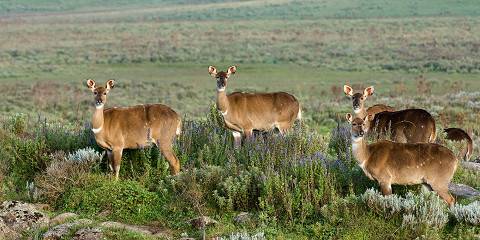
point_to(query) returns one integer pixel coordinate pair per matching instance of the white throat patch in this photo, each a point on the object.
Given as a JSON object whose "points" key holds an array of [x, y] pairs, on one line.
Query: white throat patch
{"points": [[224, 113], [356, 140], [357, 111], [97, 130], [220, 89], [99, 106]]}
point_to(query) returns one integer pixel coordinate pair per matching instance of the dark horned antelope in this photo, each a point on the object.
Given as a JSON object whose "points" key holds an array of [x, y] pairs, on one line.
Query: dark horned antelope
{"points": [[245, 112], [409, 125], [403, 163], [457, 134], [133, 127]]}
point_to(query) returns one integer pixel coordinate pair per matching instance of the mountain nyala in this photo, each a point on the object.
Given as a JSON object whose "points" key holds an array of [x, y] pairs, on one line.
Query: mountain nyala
{"points": [[403, 163], [244, 112], [409, 125], [133, 127]]}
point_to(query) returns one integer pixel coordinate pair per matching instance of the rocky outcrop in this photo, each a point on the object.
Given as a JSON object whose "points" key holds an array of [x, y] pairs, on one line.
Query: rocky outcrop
{"points": [[59, 231], [463, 190], [16, 217], [88, 234]]}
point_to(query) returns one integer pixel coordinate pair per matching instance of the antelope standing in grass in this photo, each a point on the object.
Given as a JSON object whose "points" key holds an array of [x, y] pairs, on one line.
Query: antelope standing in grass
{"points": [[409, 125], [403, 163], [133, 127], [457, 134], [245, 112]]}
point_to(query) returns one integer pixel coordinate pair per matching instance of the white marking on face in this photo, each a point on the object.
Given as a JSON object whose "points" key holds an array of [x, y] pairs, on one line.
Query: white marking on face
{"points": [[97, 130], [99, 106]]}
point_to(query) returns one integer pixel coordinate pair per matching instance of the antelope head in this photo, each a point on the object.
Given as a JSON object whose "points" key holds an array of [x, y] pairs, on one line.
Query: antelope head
{"points": [[222, 76], [359, 126], [100, 92], [358, 98]]}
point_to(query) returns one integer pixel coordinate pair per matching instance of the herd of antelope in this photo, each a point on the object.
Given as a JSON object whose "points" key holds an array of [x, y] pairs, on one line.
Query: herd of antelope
{"points": [[411, 157]]}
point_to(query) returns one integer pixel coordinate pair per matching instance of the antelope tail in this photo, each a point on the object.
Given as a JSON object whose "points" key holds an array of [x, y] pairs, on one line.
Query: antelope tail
{"points": [[179, 128], [299, 114], [469, 151], [433, 136]]}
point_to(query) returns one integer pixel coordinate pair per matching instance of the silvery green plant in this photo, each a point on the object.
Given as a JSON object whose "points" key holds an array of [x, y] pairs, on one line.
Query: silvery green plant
{"points": [[85, 155], [423, 210], [245, 236], [467, 213]]}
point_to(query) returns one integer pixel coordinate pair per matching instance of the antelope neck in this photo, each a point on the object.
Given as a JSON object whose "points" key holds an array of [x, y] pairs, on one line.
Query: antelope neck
{"points": [[360, 151], [222, 101], [361, 113], [97, 119]]}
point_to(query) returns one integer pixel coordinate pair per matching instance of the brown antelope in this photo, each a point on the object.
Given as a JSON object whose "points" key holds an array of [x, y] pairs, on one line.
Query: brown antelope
{"points": [[358, 100], [245, 112], [133, 127], [409, 125], [403, 163], [457, 134]]}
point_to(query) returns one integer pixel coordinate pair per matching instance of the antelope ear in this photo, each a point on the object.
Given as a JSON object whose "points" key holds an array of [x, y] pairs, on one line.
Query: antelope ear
{"points": [[231, 70], [348, 90], [110, 84], [91, 84], [368, 91], [212, 71], [349, 117]]}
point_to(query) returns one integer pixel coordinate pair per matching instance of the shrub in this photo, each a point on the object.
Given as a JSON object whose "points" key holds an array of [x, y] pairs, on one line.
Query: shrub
{"points": [[22, 159], [419, 212], [245, 236], [63, 137], [16, 124], [64, 172], [118, 200], [469, 214]]}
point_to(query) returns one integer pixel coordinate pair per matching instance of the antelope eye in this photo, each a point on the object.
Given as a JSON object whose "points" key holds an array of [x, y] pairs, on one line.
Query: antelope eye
{"points": [[95, 93], [104, 93]]}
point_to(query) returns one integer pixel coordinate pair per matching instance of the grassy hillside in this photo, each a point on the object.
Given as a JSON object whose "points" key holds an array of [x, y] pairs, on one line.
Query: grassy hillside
{"points": [[255, 9]]}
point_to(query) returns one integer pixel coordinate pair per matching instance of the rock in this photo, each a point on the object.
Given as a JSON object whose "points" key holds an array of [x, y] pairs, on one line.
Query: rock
{"points": [[19, 216], [471, 165], [88, 234], [242, 218], [61, 230], [133, 228], [62, 218], [202, 221], [6, 232], [463, 190]]}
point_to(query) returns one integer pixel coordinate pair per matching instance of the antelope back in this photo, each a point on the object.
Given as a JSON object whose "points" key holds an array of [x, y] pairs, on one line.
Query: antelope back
{"points": [[409, 125], [262, 110], [137, 126]]}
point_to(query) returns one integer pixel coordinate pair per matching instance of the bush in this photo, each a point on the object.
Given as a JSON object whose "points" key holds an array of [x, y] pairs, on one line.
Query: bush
{"points": [[126, 201], [65, 172], [22, 159], [469, 214], [419, 213]]}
